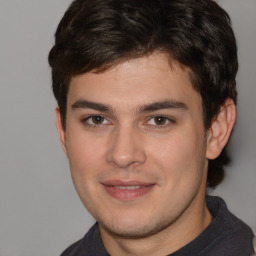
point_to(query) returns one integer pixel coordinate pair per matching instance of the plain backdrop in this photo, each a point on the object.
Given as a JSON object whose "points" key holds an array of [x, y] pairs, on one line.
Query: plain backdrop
{"points": [[40, 213]]}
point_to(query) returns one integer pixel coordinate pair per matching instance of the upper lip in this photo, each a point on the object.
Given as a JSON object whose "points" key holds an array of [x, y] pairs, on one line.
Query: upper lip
{"points": [[127, 183]]}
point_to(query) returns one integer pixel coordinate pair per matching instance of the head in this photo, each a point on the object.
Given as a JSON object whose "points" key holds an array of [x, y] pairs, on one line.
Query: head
{"points": [[95, 35], [143, 87]]}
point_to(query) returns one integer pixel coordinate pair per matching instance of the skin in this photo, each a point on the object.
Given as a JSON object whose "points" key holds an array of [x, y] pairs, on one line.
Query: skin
{"points": [[138, 153]]}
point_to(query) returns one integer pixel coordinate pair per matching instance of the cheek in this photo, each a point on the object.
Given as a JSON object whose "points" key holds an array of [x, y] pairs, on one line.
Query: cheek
{"points": [[181, 158], [85, 154], [85, 160]]}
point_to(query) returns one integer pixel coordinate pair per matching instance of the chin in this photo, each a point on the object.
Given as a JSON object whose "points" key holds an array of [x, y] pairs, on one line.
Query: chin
{"points": [[134, 229]]}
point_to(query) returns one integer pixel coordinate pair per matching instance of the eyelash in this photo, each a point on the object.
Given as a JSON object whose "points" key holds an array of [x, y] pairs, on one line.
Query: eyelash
{"points": [[169, 121], [86, 122]]}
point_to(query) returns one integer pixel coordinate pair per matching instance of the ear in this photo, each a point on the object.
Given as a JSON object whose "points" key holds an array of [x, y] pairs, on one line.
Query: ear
{"points": [[220, 130], [61, 132]]}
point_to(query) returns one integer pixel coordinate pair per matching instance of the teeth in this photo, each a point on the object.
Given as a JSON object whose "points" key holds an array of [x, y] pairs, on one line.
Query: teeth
{"points": [[128, 187]]}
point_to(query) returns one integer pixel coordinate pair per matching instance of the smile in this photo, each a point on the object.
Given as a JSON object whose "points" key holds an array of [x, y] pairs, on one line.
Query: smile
{"points": [[128, 187], [127, 191]]}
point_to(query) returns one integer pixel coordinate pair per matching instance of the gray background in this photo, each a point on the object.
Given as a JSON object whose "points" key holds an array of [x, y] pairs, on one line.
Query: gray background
{"points": [[40, 213]]}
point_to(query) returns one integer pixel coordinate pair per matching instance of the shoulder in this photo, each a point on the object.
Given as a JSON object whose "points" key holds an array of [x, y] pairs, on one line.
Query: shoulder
{"points": [[235, 237], [72, 248], [89, 245]]}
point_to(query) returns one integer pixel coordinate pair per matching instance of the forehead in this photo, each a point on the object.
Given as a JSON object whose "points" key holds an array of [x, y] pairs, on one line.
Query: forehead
{"points": [[138, 81]]}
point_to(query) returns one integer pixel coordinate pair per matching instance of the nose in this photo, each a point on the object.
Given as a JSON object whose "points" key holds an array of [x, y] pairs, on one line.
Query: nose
{"points": [[126, 148]]}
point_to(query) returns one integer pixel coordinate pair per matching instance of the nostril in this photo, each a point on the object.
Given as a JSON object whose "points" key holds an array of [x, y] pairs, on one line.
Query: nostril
{"points": [[125, 148]]}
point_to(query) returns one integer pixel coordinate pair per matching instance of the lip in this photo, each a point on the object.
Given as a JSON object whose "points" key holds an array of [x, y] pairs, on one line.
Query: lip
{"points": [[127, 190]]}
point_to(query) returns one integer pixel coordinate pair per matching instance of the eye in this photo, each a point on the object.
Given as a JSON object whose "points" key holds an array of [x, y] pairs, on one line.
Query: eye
{"points": [[159, 121], [95, 120]]}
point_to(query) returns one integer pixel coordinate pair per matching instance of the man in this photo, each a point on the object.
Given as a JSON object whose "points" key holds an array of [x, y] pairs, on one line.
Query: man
{"points": [[146, 105]]}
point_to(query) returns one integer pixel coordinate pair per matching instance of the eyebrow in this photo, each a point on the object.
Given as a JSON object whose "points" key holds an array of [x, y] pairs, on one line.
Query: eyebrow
{"points": [[92, 105], [155, 106], [166, 104]]}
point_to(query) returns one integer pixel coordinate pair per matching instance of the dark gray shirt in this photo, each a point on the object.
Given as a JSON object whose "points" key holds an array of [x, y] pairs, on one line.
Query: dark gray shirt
{"points": [[225, 236]]}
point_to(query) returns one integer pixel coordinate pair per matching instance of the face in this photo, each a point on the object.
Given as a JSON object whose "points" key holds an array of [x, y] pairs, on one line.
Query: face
{"points": [[136, 144]]}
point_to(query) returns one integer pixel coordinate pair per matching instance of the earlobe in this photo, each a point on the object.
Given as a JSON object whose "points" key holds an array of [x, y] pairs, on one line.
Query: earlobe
{"points": [[61, 132], [220, 130]]}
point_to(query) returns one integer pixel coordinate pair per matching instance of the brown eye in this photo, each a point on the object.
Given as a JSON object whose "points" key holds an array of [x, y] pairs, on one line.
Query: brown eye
{"points": [[97, 119], [160, 120]]}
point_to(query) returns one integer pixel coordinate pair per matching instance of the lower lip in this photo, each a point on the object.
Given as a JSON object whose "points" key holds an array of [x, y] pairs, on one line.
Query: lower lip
{"points": [[127, 194]]}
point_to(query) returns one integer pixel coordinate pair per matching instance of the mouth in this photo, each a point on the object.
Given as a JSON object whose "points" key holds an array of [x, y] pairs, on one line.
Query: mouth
{"points": [[128, 190], [128, 187]]}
